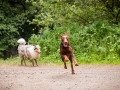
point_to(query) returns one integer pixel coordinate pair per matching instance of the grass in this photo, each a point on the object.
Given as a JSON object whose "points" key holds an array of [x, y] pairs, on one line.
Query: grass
{"points": [[85, 59], [112, 59], [15, 61]]}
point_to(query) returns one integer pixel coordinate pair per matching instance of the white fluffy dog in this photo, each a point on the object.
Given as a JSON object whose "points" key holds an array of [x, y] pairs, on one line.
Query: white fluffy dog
{"points": [[32, 52]]}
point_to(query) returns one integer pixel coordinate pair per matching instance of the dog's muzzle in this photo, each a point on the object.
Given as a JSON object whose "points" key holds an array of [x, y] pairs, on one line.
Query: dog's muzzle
{"points": [[65, 44]]}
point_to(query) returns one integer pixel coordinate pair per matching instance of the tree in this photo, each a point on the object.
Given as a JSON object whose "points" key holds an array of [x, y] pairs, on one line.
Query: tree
{"points": [[13, 16], [112, 9]]}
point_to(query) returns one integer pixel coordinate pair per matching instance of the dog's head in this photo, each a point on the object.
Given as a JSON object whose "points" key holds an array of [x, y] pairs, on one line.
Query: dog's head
{"points": [[21, 41], [64, 39], [37, 49]]}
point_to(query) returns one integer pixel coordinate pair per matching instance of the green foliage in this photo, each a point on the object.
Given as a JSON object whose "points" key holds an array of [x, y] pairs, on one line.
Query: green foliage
{"points": [[99, 40], [112, 8], [86, 21], [10, 22], [48, 40], [55, 12], [13, 18]]}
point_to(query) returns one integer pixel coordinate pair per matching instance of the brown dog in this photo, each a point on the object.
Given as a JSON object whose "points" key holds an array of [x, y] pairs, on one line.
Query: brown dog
{"points": [[66, 52]]}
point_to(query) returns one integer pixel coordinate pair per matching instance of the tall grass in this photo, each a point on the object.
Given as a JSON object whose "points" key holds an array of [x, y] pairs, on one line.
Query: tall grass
{"points": [[98, 42]]}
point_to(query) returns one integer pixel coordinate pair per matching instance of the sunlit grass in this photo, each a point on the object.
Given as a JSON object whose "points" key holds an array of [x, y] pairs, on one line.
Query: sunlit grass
{"points": [[10, 61], [113, 59], [85, 59], [42, 61]]}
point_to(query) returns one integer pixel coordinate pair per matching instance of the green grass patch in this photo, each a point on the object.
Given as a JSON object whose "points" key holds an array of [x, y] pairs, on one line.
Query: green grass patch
{"points": [[113, 59], [53, 60]]}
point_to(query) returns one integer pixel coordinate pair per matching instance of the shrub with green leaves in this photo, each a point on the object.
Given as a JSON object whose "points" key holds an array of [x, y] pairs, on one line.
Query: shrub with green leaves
{"points": [[98, 40]]}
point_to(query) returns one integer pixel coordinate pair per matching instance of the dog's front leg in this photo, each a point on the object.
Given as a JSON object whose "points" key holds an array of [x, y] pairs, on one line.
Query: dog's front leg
{"points": [[75, 61]]}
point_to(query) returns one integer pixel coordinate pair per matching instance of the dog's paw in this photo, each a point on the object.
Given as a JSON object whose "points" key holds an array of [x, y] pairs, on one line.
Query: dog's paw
{"points": [[76, 64]]}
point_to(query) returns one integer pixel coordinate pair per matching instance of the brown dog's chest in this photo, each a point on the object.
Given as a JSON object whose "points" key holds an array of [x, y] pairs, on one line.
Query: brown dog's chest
{"points": [[65, 50]]}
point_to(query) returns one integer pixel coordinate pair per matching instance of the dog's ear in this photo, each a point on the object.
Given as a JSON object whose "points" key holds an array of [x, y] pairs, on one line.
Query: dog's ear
{"points": [[60, 35], [34, 47], [66, 34]]}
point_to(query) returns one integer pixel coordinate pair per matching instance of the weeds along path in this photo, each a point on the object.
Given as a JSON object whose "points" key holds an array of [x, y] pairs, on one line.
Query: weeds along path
{"points": [[87, 77]]}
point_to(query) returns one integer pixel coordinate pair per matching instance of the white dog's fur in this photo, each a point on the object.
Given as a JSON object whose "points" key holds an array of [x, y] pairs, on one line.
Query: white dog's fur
{"points": [[21, 41], [28, 51]]}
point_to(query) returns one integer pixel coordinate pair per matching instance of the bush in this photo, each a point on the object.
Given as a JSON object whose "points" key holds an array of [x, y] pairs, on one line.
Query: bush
{"points": [[99, 40]]}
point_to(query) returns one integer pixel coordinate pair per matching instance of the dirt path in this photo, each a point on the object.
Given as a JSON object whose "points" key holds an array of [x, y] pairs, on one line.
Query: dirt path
{"points": [[57, 78]]}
